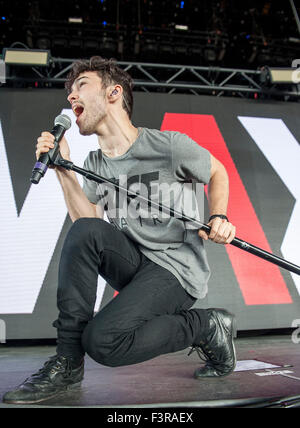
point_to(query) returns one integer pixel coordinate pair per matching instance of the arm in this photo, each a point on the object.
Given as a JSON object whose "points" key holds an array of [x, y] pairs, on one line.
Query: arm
{"points": [[77, 203], [218, 188], [222, 231]]}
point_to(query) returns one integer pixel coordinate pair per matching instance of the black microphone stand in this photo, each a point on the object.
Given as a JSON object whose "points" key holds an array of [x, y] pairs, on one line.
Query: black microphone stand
{"points": [[59, 161]]}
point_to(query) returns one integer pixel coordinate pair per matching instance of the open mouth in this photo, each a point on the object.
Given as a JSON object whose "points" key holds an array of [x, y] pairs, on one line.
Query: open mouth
{"points": [[78, 110]]}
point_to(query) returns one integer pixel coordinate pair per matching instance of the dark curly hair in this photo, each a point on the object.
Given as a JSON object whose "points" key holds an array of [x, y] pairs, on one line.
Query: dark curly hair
{"points": [[110, 74]]}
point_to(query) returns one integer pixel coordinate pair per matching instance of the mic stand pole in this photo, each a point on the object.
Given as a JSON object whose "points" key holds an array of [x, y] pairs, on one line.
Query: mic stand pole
{"points": [[59, 161]]}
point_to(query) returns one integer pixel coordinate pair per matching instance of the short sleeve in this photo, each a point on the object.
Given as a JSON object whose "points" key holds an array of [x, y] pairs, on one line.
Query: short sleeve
{"points": [[90, 187], [189, 160]]}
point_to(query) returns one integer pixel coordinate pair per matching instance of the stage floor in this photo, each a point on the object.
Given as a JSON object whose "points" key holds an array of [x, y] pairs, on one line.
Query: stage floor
{"points": [[167, 381]]}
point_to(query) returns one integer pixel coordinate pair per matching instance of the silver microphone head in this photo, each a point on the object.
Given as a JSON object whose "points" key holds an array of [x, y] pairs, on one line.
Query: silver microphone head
{"points": [[63, 120]]}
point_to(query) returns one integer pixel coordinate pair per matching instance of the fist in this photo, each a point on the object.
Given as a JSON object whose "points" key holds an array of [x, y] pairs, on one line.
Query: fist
{"points": [[46, 142], [222, 231]]}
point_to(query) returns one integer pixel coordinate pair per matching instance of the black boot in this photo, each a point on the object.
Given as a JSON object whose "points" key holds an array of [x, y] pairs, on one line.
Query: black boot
{"points": [[56, 376], [217, 349]]}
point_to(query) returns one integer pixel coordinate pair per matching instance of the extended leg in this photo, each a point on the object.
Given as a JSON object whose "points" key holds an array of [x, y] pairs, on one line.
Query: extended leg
{"points": [[92, 246]]}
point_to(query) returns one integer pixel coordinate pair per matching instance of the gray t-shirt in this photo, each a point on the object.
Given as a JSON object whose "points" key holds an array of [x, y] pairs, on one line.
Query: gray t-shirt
{"points": [[166, 167]]}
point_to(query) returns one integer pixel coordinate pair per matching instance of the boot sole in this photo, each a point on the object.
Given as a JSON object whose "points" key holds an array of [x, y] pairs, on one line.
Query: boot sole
{"points": [[65, 390]]}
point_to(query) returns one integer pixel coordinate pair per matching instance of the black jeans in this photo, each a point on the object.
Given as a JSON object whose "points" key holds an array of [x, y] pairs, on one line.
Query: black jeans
{"points": [[148, 317]]}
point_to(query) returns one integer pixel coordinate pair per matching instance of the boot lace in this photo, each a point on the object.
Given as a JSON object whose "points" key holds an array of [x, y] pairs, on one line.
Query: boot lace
{"points": [[53, 365], [205, 355]]}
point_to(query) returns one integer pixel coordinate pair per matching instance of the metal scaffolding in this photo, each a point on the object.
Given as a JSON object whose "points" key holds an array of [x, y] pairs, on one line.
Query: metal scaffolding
{"points": [[170, 78]]}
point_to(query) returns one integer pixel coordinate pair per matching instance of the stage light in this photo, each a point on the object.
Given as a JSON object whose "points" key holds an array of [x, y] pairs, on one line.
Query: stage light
{"points": [[276, 75], [29, 57], [294, 40], [72, 20], [181, 27]]}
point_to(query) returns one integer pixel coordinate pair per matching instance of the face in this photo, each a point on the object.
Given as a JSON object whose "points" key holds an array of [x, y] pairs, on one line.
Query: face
{"points": [[88, 102]]}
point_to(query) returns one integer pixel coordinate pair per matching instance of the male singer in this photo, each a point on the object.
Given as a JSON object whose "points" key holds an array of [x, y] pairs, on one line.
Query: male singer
{"points": [[156, 263]]}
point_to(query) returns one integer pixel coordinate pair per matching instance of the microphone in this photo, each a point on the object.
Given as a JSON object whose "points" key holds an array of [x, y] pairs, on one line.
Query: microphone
{"points": [[61, 124]]}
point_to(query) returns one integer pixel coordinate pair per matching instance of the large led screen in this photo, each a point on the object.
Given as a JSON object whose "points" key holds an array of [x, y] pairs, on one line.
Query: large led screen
{"points": [[257, 141]]}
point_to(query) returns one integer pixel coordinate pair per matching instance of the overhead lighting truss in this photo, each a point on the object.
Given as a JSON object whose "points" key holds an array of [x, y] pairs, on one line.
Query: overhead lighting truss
{"points": [[170, 78]]}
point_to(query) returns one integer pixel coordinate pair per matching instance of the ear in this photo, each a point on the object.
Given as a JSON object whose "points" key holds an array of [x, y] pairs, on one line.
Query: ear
{"points": [[114, 92]]}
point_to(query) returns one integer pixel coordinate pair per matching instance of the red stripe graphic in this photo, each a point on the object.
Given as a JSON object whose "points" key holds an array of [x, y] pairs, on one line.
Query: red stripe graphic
{"points": [[261, 282]]}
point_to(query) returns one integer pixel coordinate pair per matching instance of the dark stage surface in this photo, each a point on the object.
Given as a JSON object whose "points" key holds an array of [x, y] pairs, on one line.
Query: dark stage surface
{"points": [[168, 380]]}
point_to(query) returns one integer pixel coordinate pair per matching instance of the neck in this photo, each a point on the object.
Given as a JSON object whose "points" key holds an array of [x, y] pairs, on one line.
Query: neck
{"points": [[116, 135]]}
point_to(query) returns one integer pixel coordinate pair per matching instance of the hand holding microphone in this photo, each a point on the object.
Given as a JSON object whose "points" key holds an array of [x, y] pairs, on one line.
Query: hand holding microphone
{"points": [[51, 145]]}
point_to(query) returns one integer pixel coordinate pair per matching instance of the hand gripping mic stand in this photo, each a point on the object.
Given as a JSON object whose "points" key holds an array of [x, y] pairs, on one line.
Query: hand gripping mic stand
{"points": [[59, 161]]}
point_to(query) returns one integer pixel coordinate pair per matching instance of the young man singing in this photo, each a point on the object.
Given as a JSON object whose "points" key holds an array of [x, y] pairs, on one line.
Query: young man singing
{"points": [[156, 263]]}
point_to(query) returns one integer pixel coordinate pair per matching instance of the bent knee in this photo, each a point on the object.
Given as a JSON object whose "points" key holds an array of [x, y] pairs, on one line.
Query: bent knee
{"points": [[86, 224], [85, 228]]}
